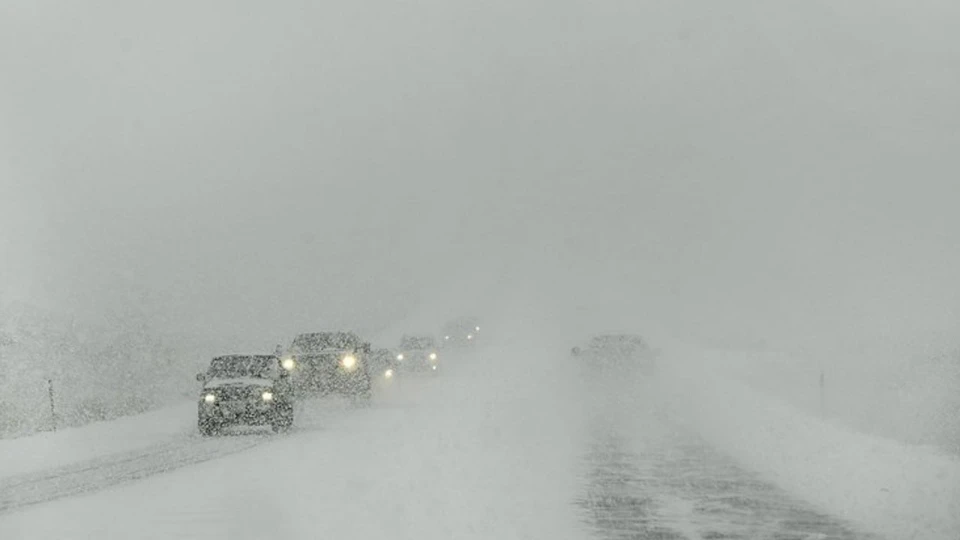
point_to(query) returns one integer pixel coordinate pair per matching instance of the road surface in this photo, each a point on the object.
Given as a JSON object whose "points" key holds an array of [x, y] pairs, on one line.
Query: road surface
{"points": [[478, 453]]}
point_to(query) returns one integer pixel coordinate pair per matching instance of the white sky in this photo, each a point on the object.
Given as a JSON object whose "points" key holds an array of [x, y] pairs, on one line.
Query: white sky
{"points": [[778, 169]]}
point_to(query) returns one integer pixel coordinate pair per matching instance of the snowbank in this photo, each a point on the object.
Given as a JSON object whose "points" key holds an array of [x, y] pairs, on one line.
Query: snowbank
{"points": [[907, 396], [887, 487], [477, 453], [72, 445]]}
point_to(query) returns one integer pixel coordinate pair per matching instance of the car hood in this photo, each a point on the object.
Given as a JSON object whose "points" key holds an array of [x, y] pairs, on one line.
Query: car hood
{"points": [[239, 381]]}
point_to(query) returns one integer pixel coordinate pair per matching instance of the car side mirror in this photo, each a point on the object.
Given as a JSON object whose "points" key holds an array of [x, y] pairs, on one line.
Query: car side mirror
{"points": [[201, 377]]}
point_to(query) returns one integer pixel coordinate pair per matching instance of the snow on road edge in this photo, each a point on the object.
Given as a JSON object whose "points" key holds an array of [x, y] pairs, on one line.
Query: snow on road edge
{"points": [[68, 446], [886, 487]]}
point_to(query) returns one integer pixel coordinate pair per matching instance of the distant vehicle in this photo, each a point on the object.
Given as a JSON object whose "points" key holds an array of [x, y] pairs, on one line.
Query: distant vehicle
{"points": [[244, 390], [323, 363], [462, 332], [619, 353], [418, 354], [383, 364]]}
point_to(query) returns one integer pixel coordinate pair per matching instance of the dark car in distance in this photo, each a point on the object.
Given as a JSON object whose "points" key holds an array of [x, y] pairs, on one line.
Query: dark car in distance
{"points": [[324, 363], [418, 354], [461, 332], [617, 353]]}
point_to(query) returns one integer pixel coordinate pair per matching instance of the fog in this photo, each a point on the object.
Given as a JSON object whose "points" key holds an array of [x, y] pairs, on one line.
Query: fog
{"points": [[742, 174]]}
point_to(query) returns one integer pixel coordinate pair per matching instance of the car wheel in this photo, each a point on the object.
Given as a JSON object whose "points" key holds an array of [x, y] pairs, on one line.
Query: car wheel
{"points": [[206, 428], [283, 419]]}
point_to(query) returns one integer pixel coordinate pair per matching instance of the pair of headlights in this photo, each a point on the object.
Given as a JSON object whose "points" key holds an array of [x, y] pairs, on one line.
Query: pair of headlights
{"points": [[349, 362], [210, 397], [433, 356]]}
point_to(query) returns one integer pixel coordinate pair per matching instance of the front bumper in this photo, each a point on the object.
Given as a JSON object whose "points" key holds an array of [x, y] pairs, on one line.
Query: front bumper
{"points": [[251, 413], [333, 382]]}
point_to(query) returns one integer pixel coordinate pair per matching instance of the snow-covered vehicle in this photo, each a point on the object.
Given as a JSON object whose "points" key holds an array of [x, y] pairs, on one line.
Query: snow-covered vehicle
{"points": [[383, 364], [418, 354], [620, 353], [251, 390], [323, 363], [461, 332]]}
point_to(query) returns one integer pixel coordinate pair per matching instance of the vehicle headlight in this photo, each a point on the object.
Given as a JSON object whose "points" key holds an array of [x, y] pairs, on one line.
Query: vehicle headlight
{"points": [[209, 398], [469, 336], [267, 395], [477, 329], [434, 367], [288, 364], [446, 337], [388, 374], [349, 362], [433, 356], [400, 357]]}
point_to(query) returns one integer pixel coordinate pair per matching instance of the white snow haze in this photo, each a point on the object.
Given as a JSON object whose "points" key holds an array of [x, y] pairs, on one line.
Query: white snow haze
{"points": [[767, 192]]}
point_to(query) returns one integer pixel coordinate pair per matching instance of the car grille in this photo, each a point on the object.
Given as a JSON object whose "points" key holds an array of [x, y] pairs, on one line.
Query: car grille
{"points": [[235, 393]]}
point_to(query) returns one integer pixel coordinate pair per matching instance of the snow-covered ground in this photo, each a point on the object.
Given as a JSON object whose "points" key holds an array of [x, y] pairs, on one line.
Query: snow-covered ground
{"points": [[439, 458], [507, 443], [891, 488], [67, 446]]}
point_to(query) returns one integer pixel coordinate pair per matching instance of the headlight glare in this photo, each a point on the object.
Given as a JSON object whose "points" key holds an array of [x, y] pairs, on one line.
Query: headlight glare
{"points": [[433, 356], [388, 374], [288, 364], [400, 357], [349, 361], [267, 395], [209, 398]]}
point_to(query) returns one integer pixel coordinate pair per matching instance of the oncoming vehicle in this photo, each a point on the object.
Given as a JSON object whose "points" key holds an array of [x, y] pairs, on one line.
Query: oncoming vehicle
{"points": [[619, 353], [244, 390], [462, 332], [323, 363], [418, 354]]}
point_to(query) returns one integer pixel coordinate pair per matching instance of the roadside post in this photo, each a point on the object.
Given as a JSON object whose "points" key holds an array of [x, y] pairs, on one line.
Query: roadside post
{"points": [[53, 408]]}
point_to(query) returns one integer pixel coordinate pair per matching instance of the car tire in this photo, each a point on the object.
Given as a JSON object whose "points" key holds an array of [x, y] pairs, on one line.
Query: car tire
{"points": [[206, 428], [283, 419]]}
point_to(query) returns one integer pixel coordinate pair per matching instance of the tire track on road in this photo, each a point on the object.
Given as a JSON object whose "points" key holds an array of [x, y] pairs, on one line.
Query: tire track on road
{"points": [[101, 473], [97, 474], [681, 489]]}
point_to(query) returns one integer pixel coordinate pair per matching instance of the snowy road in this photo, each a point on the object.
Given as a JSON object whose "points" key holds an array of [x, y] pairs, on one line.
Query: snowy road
{"points": [[101, 473], [647, 477], [685, 491], [482, 452]]}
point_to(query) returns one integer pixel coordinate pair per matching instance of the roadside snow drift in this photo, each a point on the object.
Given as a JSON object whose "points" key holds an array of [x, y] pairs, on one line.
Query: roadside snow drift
{"points": [[67, 446], [887, 487]]}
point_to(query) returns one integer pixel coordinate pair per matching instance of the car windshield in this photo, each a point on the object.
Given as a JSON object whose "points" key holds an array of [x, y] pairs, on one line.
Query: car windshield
{"points": [[618, 342], [324, 341], [228, 367], [417, 343]]}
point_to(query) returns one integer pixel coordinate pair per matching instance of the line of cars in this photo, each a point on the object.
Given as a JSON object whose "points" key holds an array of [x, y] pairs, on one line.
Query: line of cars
{"points": [[261, 390]]}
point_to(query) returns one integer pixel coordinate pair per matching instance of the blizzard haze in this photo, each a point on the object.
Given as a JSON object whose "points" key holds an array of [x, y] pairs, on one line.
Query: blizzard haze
{"points": [[764, 190], [742, 170]]}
